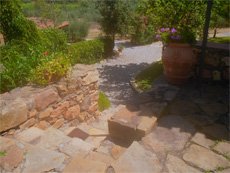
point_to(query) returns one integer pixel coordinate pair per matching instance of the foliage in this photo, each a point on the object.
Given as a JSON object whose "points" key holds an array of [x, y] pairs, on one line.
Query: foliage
{"points": [[146, 77], [17, 66], [53, 39], [103, 102], [142, 34], [2, 153], [223, 40], [51, 70], [77, 30], [172, 35], [220, 14], [115, 17], [13, 25], [173, 14], [86, 52]]}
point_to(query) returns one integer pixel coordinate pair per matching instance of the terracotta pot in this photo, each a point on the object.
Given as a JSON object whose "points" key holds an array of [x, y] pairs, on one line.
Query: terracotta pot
{"points": [[178, 62]]}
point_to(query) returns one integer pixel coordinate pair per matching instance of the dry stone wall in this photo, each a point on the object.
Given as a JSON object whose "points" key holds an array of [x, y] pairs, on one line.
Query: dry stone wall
{"points": [[72, 100]]}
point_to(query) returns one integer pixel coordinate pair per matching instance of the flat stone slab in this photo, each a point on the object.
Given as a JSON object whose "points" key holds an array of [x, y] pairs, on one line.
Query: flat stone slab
{"points": [[129, 126], [202, 140], [107, 159], [52, 138], [136, 159], [204, 158], [75, 146], [223, 148], [12, 158], [78, 164], [176, 165], [30, 135], [41, 160], [171, 134]]}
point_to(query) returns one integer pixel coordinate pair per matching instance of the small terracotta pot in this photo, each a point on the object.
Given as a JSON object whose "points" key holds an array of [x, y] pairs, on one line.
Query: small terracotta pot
{"points": [[178, 62]]}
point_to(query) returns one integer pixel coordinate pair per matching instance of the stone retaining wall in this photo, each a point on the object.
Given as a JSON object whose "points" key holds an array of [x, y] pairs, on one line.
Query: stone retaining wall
{"points": [[72, 100]]}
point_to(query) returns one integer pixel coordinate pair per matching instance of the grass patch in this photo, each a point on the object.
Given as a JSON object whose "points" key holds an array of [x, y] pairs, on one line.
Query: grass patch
{"points": [[223, 40], [146, 77], [2, 153], [103, 102]]}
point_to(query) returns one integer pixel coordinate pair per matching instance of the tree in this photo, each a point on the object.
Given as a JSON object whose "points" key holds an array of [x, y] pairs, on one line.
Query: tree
{"points": [[115, 18], [174, 13], [220, 15], [13, 25]]}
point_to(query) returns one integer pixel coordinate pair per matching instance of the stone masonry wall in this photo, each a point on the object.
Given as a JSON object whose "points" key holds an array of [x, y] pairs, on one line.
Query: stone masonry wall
{"points": [[71, 100]]}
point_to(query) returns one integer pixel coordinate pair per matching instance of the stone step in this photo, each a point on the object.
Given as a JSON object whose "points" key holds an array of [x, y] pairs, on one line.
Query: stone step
{"points": [[129, 125]]}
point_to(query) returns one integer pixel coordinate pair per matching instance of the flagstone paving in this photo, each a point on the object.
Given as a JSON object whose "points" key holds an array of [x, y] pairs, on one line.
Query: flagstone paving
{"points": [[183, 133]]}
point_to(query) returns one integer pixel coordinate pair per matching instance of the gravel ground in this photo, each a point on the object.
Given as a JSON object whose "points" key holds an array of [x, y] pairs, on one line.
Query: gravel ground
{"points": [[115, 73]]}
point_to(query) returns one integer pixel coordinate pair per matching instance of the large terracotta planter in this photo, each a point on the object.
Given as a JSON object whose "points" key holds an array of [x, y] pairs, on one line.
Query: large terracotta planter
{"points": [[178, 62]]}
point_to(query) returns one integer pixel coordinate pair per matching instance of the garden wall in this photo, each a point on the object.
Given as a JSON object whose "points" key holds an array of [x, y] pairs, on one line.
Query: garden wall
{"points": [[72, 100]]}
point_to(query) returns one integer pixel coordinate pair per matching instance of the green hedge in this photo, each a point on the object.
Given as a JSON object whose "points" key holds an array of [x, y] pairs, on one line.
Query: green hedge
{"points": [[51, 70], [86, 52]]}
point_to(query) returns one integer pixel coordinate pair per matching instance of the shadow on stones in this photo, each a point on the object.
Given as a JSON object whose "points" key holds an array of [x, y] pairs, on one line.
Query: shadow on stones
{"points": [[116, 82]]}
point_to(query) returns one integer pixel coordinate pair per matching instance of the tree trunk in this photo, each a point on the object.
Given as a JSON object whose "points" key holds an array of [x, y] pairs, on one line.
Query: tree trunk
{"points": [[215, 32]]}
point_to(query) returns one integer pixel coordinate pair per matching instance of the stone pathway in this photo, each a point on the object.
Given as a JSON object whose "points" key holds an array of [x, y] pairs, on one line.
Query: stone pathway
{"points": [[116, 73], [167, 130]]}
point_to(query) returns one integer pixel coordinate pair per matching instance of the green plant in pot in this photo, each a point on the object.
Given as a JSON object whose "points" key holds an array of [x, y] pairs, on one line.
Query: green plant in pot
{"points": [[177, 55]]}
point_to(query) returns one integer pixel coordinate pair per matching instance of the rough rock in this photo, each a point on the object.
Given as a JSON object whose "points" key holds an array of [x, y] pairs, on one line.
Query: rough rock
{"points": [[202, 140], [33, 113], [136, 159], [43, 125], [46, 113], [13, 114], [204, 158], [72, 112], [61, 109], [146, 124], [41, 160], [28, 123], [58, 123], [176, 165], [85, 103], [91, 77], [45, 98], [85, 165], [76, 146]]}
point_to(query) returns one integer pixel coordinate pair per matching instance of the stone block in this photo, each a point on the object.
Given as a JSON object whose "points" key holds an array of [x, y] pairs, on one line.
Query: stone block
{"points": [[72, 113], [43, 125], [60, 109], [13, 114], [46, 113], [58, 123], [129, 126], [45, 98], [28, 123]]}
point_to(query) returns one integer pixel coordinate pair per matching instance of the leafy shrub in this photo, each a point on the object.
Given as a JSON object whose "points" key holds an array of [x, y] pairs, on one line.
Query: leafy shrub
{"points": [[103, 102], [16, 70], [51, 70], [13, 24], [53, 39], [77, 30], [86, 52]]}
